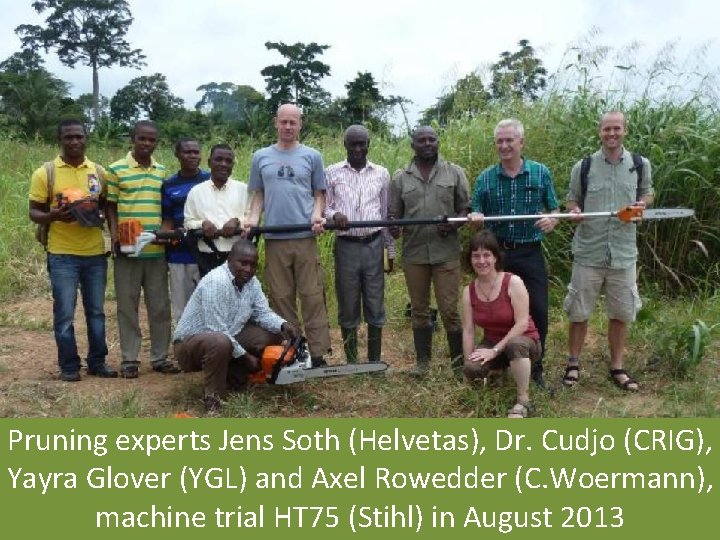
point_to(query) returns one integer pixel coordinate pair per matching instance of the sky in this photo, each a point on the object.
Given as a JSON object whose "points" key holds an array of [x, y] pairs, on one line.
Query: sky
{"points": [[415, 49]]}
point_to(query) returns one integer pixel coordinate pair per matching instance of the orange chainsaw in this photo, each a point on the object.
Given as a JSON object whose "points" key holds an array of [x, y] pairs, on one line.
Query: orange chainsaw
{"points": [[290, 363]]}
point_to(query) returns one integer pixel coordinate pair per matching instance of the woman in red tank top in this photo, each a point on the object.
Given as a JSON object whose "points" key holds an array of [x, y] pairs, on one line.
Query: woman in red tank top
{"points": [[498, 302]]}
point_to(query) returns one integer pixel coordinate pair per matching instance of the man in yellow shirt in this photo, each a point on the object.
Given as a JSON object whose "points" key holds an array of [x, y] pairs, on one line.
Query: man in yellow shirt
{"points": [[75, 252]]}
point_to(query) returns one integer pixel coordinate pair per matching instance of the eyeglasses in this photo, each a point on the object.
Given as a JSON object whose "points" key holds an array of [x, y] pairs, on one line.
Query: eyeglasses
{"points": [[288, 168]]}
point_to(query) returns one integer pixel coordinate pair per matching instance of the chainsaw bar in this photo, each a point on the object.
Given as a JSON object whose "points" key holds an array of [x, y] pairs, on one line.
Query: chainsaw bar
{"points": [[296, 372], [667, 213]]}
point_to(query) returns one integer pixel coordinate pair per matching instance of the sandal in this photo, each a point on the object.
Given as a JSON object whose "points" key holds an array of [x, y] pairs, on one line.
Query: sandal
{"points": [[519, 410], [571, 380], [629, 384]]}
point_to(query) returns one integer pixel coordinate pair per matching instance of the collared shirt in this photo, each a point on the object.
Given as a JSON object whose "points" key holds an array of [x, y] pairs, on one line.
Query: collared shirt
{"points": [[71, 238], [217, 305], [218, 205], [136, 190], [446, 193], [530, 192], [361, 196], [608, 242]]}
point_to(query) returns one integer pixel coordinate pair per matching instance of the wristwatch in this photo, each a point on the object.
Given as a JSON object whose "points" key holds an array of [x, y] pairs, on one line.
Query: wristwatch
{"points": [[496, 350]]}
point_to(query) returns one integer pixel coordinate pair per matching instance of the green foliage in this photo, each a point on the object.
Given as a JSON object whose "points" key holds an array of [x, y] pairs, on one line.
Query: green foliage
{"points": [[146, 97], [91, 32], [683, 346], [32, 99], [297, 80], [364, 103], [518, 75], [238, 109], [466, 99]]}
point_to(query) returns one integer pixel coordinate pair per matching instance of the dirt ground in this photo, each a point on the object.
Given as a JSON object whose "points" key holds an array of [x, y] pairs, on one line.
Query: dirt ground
{"points": [[29, 385]]}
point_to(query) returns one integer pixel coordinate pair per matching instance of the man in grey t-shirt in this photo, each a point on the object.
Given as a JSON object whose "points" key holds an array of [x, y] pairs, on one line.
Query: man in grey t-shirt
{"points": [[287, 183]]}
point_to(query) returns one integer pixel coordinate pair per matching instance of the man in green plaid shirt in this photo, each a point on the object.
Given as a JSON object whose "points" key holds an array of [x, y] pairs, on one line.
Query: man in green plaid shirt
{"points": [[519, 186]]}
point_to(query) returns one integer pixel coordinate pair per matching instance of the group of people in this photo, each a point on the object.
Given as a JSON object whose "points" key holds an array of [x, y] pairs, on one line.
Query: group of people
{"points": [[223, 320]]}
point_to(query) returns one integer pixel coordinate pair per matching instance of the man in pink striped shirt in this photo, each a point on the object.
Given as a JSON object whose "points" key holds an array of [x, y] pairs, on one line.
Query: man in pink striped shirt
{"points": [[358, 190]]}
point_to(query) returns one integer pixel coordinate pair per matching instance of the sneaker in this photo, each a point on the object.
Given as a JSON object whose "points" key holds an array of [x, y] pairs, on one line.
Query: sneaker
{"points": [[129, 372], [103, 372], [70, 376], [167, 368]]}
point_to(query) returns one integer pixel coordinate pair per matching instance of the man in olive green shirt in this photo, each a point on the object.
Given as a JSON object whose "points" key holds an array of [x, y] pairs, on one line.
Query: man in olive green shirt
{"points": [[605, 249], [431, 187]]}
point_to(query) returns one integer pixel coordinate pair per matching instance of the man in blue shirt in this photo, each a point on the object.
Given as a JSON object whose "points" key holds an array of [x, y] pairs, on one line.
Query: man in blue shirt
{"points": [[184, 273]]}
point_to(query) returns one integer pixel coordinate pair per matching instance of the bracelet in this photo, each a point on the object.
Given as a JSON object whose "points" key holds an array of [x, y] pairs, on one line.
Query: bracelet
{"points": [[496, 350]]}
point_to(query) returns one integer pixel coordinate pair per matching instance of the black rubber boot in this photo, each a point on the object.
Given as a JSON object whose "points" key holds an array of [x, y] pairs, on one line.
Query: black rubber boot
{"points": [[423, 349], [349, 337], [374, 343], [455, 344]]}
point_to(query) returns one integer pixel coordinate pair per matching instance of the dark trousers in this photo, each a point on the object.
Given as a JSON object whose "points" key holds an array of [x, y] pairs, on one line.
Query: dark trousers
{"points": [[210, 261], [211, 353], [529, 264]]}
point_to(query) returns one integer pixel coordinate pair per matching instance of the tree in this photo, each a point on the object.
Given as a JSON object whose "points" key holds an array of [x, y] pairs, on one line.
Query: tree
{"points": [[91, 32], [518, 75], [146, 97], [298, 80], [364, 103], [466, 98], [32, 99]]}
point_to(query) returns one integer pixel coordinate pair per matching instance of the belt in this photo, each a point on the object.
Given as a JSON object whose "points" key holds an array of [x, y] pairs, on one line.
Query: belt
{"points": [[516, 245], [363, 239]]}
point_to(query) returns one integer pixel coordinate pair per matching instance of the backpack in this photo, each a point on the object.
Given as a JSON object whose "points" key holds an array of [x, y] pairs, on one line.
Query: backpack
{"points": [[585, 170], [42, 229]]}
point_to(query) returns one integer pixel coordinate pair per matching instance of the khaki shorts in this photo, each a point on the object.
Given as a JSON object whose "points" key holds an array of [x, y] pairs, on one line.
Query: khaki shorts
{"points": [[518, 347], [619, 286]]}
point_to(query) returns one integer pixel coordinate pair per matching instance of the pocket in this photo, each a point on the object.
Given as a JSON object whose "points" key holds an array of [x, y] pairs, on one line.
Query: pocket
{"points": [[570, 299], [446, 194]]}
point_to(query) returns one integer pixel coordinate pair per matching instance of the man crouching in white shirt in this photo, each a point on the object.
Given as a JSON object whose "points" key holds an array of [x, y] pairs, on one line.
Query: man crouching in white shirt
{"points": [[226, 325]]}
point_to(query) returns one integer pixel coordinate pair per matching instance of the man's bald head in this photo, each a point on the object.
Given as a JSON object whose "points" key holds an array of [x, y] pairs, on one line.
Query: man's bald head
{"points": [[288, 124]]}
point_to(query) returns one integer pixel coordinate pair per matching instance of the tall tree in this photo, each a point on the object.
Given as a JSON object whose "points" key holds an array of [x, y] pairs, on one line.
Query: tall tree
{"points": [[364, 102], [298, 79], [518, 75], [148, 97], [91, 32], [31, 98]]}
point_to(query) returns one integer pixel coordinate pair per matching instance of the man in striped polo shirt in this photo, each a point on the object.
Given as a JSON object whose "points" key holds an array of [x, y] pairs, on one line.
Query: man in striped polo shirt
{"points": [[518, 186], [134, 185], [358, 190]]}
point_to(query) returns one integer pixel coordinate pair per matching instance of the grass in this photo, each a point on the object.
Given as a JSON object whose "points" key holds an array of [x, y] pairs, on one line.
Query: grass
{"points": [[673, 120]]}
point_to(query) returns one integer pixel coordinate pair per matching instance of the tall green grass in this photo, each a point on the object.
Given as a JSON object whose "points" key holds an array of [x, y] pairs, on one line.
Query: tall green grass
{"points": [[673, 120]]}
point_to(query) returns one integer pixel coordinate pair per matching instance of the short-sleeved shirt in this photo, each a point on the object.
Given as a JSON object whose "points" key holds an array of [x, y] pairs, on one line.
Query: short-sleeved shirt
{"points": [[288, 179], [136, 190], [608, 242], [174, 194], [446, 193], [71, 238], [530, 192]]}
